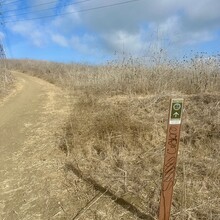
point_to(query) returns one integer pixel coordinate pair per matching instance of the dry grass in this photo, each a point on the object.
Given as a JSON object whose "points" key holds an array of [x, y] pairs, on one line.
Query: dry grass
{"points": [[117, 130], [6, 79]]}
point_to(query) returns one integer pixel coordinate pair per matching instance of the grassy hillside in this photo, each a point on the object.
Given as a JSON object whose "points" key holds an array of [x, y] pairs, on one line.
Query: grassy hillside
{"points": [[115, 137]]}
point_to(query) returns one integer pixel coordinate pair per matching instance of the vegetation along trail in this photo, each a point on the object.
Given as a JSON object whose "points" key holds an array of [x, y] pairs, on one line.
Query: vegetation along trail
{"points": [[30, 165]]}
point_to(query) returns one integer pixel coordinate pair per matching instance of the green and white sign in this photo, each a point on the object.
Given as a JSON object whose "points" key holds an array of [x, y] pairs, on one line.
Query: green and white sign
{"points": [[176, 109]]}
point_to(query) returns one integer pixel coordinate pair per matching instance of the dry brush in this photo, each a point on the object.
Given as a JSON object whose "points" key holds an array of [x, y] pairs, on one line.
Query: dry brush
{"points": [[116, 133]]}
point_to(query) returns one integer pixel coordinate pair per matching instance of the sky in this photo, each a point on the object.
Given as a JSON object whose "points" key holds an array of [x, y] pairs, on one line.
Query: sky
{"points": [[96, 31]]}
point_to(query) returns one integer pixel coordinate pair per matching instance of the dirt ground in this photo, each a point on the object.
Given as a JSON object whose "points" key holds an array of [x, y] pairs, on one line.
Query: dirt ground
{"points": [[31, 164], [35, 182]]}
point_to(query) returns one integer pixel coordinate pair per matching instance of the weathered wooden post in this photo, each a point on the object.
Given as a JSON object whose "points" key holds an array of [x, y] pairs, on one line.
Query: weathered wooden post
{"points": [[170, 157]]}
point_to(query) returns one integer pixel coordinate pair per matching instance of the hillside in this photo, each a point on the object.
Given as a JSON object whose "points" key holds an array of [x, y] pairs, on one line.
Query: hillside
{"points": [[114, 139]]}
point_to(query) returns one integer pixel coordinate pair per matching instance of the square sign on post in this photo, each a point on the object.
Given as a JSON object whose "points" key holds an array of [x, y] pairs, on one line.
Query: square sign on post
{"points": [[170, 157], [176, 111]]}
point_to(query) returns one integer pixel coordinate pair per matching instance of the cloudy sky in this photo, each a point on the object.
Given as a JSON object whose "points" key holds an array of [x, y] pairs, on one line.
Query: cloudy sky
{"points": [[93, 31]]}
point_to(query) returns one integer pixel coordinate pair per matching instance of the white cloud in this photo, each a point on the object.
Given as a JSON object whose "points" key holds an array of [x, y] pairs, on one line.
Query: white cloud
{"points": [[204, 15], [132, 27], [174, 30], [69, 22], [59, 39], [197, 37], [128, 16], [122, 41], [85, 44], [30, 30], [179, 22]]}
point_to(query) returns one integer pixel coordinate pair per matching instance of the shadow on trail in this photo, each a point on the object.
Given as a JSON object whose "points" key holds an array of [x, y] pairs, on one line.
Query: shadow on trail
{"points": [[120, 201]]}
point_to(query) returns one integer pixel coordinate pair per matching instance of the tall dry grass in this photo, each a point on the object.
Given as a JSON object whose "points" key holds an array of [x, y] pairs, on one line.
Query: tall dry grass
{"points": [[117, 130], [6, 79]]}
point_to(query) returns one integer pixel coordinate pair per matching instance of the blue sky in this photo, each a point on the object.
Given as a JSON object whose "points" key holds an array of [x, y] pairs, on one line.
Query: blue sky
{"points": [[139, 28]]}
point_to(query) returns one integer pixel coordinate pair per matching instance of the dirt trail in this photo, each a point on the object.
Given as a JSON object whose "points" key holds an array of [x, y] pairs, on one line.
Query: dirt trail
{"points": [[30, 161], [35, 182]]}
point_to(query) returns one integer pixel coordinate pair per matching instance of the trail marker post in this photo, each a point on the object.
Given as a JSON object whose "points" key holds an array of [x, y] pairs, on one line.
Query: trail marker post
{"points": [[170, 157]]}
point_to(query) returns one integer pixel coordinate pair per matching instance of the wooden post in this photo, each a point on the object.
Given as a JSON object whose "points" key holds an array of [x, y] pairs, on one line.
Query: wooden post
{"points": [[170, 157]]}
